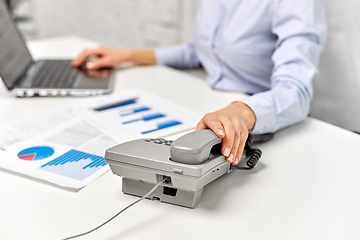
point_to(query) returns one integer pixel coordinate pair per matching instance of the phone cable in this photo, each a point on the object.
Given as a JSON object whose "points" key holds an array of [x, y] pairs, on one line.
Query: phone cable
{"points": [[253, 153], [130, 205]]}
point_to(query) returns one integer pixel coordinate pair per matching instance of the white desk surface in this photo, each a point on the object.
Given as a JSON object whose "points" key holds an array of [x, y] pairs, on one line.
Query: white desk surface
{"points": [[306, 185]]}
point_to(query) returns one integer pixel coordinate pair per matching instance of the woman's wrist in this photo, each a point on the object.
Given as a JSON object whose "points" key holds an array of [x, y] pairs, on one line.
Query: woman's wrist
{"points": [[141, 57], [127, 55], [246, 114]]}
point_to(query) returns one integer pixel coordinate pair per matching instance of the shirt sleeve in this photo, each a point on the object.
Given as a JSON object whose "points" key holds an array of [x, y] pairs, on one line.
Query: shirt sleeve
{"points": [[181, 56], [300, 27]]}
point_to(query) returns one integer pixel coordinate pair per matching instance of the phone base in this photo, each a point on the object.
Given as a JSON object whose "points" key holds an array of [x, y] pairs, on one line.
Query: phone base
{"points": [[163, 193]]}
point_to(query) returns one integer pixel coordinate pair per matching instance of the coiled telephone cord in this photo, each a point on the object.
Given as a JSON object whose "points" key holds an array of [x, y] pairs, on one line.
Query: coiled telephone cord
{"points": [[253, 154]]}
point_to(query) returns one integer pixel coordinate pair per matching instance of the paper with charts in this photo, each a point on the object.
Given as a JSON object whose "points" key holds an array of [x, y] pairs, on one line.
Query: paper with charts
{"points": [[135, 114], [66, 146]]}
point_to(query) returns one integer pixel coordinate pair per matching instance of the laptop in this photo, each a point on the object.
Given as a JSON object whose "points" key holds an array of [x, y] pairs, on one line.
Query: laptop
{"points": [[25, 77]]}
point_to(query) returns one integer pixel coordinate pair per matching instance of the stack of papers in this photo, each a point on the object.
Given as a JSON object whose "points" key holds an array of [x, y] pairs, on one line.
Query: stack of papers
{"points": [[66, 146]]}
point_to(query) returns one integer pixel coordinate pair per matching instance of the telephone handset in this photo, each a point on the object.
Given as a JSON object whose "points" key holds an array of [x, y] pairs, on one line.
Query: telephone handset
{"points": [[195, 148], [183, 167]]}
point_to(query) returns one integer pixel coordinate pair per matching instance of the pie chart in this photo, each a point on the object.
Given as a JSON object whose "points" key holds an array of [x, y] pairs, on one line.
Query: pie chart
{"points": [[36, 153]]}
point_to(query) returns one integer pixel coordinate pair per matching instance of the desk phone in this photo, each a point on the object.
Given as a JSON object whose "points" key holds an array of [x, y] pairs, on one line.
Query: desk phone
{"points": [[188, 164]]}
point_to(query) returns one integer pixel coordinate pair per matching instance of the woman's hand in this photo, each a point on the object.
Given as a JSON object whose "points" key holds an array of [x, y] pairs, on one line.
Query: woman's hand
{"points": [[110, 58], [231, 123], [107, 58]]}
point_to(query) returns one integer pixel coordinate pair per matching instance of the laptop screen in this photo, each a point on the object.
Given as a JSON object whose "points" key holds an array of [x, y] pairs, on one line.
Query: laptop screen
{"points": [[14, 56]]}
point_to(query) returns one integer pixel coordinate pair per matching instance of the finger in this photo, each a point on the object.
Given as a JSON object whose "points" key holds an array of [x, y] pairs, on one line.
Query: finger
{"points": [[243, 137], [95, 74], [99, 63], [211, 121], [86, 54], [236, 142], [200, 126], [228, 139]]}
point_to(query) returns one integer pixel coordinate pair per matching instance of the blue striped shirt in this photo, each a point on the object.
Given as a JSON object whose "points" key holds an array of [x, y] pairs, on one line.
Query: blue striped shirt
{"points": [[268, 48]]}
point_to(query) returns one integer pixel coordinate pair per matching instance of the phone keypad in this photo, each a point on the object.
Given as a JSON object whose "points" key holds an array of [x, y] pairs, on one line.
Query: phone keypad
{"points": [[159, 141]]}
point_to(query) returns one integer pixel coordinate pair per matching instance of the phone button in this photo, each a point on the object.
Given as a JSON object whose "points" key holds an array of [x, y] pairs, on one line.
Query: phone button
{"points": [[178, 171]]}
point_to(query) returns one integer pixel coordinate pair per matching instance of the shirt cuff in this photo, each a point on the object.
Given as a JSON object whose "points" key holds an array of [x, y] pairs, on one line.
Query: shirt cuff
{"points": [[264, 112], [166, 56]]}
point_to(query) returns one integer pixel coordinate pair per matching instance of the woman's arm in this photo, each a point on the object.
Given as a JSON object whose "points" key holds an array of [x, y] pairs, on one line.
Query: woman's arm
{"points": [[109, 58], [301, 28], [181, 56]]}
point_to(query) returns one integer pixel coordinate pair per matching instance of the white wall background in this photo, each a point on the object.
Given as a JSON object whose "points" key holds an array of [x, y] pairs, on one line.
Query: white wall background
{"points": [[337, 86], [115, 23]]}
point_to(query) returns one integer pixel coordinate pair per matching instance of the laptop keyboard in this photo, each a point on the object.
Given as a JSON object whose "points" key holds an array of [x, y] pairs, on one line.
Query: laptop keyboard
{"points": [[55, 74]]}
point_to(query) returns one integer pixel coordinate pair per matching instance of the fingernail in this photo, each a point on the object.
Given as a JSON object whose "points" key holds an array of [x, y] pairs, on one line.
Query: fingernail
{"points": [[236, 161], [221, 132], [230, 157], [90, 65], [227, 152]]}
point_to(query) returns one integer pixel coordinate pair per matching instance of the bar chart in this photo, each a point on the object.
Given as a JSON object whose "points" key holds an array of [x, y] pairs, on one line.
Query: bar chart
{"points": [[136, 114], [133, 111], [75, 164]]}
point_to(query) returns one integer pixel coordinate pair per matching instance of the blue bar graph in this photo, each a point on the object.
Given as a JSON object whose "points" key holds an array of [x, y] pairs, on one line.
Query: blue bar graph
{"points": [[75, 164], [162, 126], [146, 118], [116, 105], [135, 110]]}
